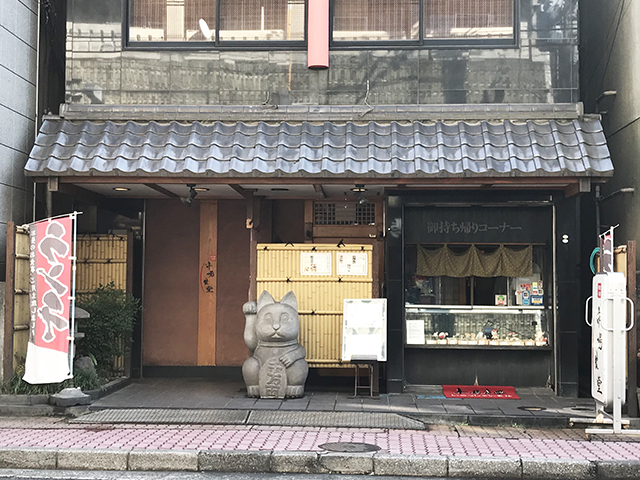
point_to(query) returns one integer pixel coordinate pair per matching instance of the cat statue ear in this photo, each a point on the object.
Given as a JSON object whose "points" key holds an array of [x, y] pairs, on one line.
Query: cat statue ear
{"points": [[290, 299], [265, 299]]}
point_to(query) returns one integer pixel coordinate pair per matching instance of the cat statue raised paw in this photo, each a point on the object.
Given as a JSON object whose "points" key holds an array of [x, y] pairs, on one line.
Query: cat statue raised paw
{"points": [[277, 367]]}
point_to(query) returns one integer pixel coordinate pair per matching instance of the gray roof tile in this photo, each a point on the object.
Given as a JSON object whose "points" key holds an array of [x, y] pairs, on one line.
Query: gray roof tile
{"points": [[539, 148]]}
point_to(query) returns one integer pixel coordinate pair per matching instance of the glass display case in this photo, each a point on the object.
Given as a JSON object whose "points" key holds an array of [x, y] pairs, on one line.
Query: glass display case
{"points": [[476, 326]]}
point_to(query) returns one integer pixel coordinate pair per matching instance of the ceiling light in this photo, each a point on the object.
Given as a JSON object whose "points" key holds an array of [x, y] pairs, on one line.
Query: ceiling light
{"points": [[358, 189], [121, 189], [201, 189]]}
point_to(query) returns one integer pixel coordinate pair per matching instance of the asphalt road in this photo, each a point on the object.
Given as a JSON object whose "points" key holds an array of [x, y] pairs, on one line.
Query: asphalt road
{"points": [[9, 474]]}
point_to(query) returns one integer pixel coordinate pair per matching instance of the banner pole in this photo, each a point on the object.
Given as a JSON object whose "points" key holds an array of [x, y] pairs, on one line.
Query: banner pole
{"points": [[72, 331]]}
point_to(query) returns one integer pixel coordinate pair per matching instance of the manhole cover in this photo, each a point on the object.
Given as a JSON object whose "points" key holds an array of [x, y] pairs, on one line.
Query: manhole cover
{"points": [[350, 447], [532, 409]]}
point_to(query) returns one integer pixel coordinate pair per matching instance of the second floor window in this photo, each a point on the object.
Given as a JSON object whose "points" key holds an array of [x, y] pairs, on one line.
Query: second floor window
{"points": [[375, 23], [211, 20]]}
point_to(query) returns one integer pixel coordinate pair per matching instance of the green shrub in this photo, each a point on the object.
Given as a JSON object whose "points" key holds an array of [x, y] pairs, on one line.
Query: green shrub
{"points": [[113, 313], [86, 380], [81, 379]]}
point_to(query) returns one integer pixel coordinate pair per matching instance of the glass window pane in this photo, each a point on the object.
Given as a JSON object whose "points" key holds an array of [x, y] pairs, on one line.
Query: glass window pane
{"points": [[468, 19], [172, 20], [261, 20], [375, 20]]}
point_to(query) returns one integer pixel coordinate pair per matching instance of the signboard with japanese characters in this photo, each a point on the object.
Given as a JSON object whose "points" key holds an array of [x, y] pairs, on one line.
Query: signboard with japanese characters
{"points": [[315, 263], [352, 263], [607, 319], [477, 225], [50, 252]]}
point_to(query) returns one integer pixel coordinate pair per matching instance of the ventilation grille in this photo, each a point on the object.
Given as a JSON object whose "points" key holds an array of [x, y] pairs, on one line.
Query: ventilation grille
{"points": [[346, 213]]}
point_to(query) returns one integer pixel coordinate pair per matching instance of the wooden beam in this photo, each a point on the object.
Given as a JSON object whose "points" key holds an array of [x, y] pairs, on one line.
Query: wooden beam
{"points": [[52, 184], [583, 185], [208, 291], [308, 221], [253, 266], [245, 193], [319, 190], [424, 182], [162, 190], [7, 357], [339, 231]]}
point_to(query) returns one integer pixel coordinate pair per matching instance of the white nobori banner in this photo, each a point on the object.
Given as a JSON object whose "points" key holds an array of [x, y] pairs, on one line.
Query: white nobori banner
{"points": [[50, 292]]}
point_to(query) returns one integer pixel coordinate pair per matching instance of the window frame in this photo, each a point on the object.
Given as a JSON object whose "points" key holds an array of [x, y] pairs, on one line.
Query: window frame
{"points": [[334, 45], [210, 45], [421, 42]]}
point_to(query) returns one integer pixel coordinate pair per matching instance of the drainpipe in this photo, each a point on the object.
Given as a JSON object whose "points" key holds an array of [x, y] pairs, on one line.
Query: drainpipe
{"points": [[37, 97]]}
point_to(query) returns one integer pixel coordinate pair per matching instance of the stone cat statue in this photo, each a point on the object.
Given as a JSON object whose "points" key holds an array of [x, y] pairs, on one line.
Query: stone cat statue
{"points": [[277, 367]]}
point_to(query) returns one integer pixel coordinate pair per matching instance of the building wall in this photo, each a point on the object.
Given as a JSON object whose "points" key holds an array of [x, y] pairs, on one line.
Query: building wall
{"points": [[170, 316], [542, 69], [613, 63], [233, 282], [18, 36]]}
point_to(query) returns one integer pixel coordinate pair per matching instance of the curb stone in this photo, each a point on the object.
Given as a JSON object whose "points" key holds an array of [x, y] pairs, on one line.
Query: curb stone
{"points": [[149, 460], [409, 465], [108, 388], [379, 463], [613, 470], [295, 462], [234, 461], [485, 467], [27, 400], [92, 459], [347, 463], [549, 469], [39, 458]]}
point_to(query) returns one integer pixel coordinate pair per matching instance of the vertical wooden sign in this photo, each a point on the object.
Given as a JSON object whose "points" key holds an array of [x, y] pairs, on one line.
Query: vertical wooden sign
{"points": [[208, 278]]}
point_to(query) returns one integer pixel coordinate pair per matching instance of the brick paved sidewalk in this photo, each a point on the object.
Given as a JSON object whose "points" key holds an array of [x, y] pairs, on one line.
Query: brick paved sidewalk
{"points": [[438, 440]]}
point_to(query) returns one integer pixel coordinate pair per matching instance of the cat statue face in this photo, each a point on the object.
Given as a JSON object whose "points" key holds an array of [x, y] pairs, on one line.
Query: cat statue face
{"points": [[277, 321]]}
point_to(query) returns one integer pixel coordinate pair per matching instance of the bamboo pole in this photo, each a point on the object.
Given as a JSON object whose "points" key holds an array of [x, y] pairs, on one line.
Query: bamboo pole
{"points": [[7, 353]]}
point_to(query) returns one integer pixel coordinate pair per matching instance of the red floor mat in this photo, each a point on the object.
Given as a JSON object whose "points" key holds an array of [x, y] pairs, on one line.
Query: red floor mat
{"points": [[479, 391]]}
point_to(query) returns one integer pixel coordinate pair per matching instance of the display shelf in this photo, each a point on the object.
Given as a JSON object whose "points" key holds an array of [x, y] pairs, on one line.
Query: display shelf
{"points": [[464, 326]]}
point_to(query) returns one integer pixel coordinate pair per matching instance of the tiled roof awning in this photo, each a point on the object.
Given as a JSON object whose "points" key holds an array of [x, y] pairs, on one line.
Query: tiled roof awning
{"points": [[574, 148]]}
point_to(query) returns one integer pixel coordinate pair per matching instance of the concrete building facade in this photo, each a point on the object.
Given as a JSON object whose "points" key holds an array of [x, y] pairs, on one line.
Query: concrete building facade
{"points": [[18, 38]]}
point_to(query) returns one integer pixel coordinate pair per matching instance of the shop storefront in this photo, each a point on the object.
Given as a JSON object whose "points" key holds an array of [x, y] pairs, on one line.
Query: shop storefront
{"points": [[475, 294], [475, 230]]}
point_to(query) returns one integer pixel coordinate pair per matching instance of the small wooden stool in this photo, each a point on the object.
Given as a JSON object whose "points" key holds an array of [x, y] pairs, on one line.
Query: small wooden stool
{"points": [[372, 366]]}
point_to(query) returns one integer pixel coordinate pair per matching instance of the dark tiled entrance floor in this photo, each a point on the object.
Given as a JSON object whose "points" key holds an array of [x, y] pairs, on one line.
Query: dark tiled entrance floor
{"points": [[429, 405]]}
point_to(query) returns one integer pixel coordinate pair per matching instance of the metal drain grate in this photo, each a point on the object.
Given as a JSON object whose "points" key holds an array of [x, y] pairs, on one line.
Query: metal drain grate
{"points": [[531, 409], [349, 447], [334, 419], [165, 416], [579, 408]]}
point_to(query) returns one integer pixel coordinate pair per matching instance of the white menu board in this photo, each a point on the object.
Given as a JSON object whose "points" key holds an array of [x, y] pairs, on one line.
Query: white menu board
{"points": [[364, 329], [315, 263], [352, 263]]}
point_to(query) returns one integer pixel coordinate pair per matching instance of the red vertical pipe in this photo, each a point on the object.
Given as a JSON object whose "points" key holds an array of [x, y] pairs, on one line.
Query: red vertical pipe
{"points": [[318, 34]]}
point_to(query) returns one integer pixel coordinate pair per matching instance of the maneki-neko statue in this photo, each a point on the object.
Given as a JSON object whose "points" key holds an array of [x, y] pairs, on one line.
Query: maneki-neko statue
{"points": [[277, 367]]}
